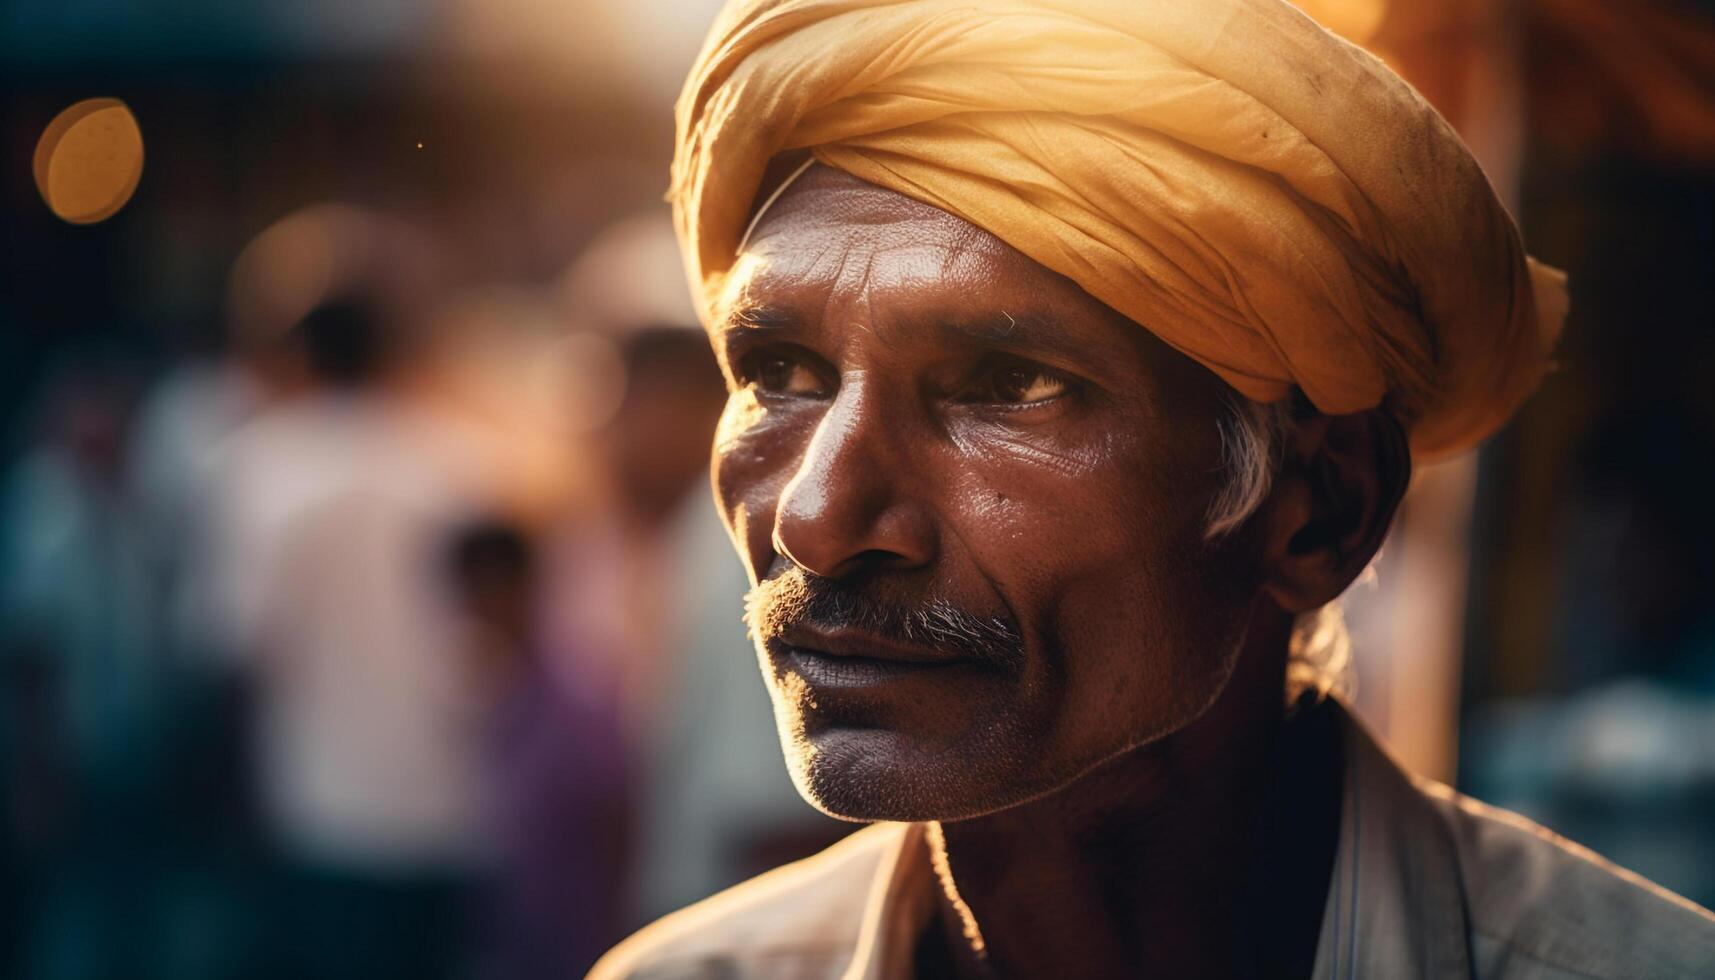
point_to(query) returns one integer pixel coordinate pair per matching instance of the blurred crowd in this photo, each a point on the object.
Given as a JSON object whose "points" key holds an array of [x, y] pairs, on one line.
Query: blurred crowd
{"points": [[400, 640]]}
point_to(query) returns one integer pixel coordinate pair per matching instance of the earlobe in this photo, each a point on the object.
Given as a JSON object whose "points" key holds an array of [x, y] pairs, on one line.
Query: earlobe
{"points": [[1340, 482]]}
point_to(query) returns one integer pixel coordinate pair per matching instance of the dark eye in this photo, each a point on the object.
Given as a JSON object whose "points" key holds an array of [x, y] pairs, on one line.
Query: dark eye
{"points": [[1024, 384], [781, 373]]}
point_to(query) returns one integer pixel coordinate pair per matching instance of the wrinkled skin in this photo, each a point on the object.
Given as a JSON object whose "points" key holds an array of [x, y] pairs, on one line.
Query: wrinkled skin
{"points": [[919, 411]]}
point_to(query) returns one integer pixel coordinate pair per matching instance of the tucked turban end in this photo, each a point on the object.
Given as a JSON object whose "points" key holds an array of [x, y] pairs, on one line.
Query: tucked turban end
{"points": [[1265, 197], [1481, 394], [1480, 398], [1553, 302]]}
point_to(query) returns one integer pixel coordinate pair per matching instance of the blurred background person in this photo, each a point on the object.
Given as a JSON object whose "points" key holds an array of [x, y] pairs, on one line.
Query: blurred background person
{"points": [[82, 658], [558, 806], [326, 511]]}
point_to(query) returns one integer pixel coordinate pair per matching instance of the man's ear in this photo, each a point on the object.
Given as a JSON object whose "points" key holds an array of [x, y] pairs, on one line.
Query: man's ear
{"points": [[1340, 482]]}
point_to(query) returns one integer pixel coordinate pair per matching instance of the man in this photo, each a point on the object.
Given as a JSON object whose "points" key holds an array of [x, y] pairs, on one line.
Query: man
{"points": [[1079, 352]]}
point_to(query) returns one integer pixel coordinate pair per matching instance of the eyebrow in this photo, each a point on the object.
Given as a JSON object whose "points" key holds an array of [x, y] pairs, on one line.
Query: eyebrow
{"points": [[757, 317], [1023, 330]]}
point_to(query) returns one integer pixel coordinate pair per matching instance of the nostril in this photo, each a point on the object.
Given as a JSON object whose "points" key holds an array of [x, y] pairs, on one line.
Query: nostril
{"points": [[878, 558], [868, 562]]}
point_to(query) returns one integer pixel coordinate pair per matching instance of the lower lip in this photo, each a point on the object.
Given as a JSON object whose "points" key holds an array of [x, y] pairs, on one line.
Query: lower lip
{"points": [[825, 671]]}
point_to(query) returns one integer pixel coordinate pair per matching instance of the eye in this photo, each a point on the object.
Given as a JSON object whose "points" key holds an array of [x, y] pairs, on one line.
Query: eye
{"points": [[781, 373], [1019, 383]]}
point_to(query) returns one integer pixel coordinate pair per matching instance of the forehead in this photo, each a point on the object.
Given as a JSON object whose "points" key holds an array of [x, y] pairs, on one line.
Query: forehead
{"points": [[831, 233], [825, 201]]}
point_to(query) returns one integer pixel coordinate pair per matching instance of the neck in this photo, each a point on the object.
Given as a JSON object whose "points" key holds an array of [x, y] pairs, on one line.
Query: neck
{"points": [[1206, 853]]}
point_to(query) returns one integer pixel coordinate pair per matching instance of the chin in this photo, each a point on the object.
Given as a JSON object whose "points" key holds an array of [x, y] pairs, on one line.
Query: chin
{"points": [[874, 774]]}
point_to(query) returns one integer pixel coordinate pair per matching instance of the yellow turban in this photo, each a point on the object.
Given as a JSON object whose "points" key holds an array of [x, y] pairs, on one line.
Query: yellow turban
{"points": [[1265, 197]]}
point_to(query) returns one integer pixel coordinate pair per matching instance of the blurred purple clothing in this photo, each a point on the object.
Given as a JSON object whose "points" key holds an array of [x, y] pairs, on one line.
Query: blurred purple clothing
{"points": [[561, 807]]}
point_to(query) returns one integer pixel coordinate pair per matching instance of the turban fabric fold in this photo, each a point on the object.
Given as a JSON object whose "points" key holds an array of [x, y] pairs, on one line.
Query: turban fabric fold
{"points": [[1263, 196]]}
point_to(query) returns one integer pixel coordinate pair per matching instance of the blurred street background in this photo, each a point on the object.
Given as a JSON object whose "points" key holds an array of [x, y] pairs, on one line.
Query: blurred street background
{"points": [[363, 612]]}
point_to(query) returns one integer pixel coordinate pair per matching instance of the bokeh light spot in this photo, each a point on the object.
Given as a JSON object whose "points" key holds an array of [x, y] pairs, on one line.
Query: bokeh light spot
{"points": [[89, 160]]}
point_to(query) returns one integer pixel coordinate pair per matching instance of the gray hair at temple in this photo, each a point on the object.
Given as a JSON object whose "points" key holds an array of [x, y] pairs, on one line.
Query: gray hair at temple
{"points": [[1319, 654]]}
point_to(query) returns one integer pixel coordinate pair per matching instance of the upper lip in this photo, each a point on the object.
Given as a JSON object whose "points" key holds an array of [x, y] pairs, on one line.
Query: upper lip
{"points": [[849, 642]]}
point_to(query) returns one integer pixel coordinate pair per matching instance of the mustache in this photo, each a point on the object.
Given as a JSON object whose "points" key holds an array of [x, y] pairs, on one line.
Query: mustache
{"points": [[800, 598]]}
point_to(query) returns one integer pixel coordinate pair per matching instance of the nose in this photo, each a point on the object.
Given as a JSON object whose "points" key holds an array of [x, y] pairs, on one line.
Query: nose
{"points": [[853, 504]]}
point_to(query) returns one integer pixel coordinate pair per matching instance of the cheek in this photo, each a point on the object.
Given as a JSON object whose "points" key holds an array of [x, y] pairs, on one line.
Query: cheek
{"points": [[1151, 621], [755, 455], [1100, 548], [1052, 512], [1018, 501], [1149, 634]]}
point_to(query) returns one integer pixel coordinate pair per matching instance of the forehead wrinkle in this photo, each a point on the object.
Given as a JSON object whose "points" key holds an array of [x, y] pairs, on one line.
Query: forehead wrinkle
{"points": [[835, 285], [744, 303], [863, 287], [827, 255], [969, 243], [837, 223], [857, 286]]}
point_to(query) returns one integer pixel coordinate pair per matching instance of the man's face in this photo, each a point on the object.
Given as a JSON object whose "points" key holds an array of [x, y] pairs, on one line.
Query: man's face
{"points": [[973, 500]]}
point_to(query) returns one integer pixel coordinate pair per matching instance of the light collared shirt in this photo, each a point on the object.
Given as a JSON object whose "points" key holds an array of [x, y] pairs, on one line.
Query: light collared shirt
{"points": [[1426, 884]]}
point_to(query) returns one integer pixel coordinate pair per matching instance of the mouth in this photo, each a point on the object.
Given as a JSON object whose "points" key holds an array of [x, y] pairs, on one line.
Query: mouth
{"points": [[845, 660]]}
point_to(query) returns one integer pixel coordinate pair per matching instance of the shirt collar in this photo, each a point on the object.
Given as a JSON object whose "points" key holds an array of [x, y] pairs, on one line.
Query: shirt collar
{"points": [[1395, 904], [901, 901]]}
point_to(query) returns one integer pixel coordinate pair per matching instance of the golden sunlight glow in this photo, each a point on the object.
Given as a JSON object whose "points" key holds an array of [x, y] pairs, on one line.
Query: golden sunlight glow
{"points": [[1355, 20], [944, 871], [792, 698], [89, 160], [743, 412]]}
